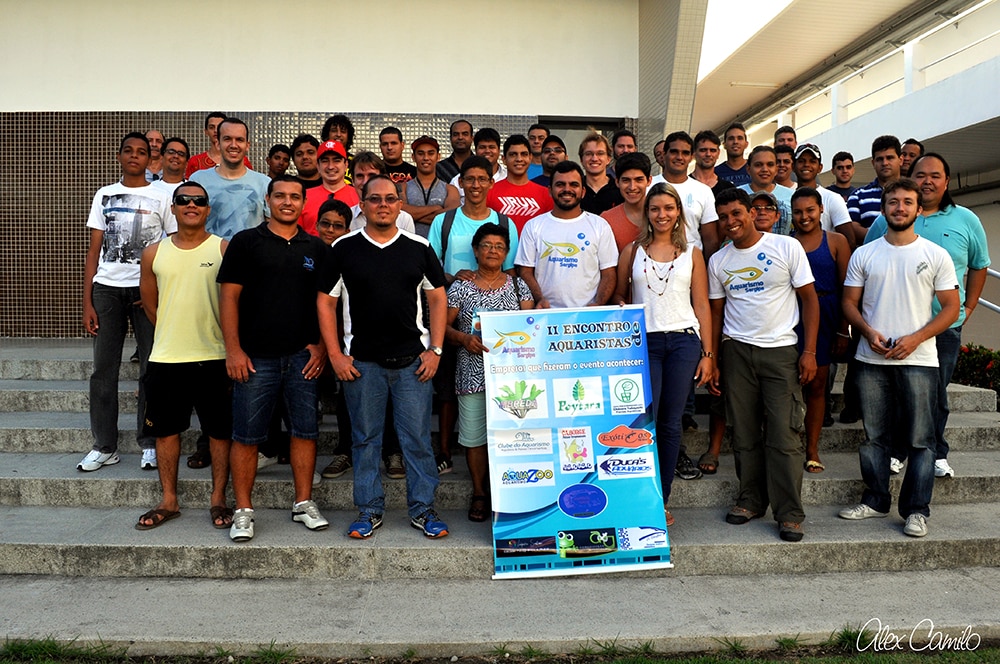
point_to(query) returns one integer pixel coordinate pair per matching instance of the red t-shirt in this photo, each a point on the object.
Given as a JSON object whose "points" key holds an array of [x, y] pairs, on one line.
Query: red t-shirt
{"points": [[625, 231], [520, 202], [315, 198], [200, 162]]}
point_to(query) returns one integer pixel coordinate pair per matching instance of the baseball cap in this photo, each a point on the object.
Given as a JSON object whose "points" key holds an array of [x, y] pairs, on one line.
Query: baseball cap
{"points": [[331, 146], [756, 196], [425, 140], [808, 147]]}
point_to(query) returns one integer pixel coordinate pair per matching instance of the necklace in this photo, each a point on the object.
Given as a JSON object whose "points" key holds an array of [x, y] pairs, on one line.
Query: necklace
{"points": [[664, 278], [490, 284]]}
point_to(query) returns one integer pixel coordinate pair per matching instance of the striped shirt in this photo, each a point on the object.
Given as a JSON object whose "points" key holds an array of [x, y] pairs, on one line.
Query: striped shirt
{"points": [[865, 204]]}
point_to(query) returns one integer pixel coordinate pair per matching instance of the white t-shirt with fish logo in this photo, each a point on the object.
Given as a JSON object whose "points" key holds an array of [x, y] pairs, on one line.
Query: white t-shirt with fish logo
{"points": [[758, 284]]}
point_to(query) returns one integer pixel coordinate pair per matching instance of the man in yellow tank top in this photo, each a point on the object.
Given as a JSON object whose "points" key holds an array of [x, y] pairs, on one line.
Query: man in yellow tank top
{"points": [[187, 366]]}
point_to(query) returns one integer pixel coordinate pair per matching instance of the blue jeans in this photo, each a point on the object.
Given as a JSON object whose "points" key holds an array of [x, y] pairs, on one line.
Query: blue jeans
{"points": [[114, 306], [411, 400], [898, 399], [673, 359], [254, 401], [948, 344]]}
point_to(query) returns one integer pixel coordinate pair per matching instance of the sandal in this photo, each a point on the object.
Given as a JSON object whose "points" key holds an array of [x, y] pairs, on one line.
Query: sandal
{"points": [[200, 459], [814, 466], [669, 517], [157, 517], [708, 463], [479, 509], [223, 514]]}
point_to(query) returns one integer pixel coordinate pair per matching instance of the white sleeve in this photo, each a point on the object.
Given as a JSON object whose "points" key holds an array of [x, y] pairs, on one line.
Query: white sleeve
{"points": [[709, 213], [338, 288], [168, 219], [607, 249], [838, 211], [526, 250], [404, 222], [855, 276], [716, 291], [96, 217], [945, 277]]}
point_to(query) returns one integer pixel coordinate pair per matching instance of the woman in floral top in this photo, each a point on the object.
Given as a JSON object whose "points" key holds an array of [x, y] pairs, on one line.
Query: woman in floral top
{"points": [[488, 288]]}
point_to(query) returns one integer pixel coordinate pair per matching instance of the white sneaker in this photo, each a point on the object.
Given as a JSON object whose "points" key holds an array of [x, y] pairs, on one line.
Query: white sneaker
{"points": [[264, 461], [916, 525], [860, 511], [308, 514], [148, 460], [895, 466], [943, 469], [242, 528], [317, 479], [95, 460]]}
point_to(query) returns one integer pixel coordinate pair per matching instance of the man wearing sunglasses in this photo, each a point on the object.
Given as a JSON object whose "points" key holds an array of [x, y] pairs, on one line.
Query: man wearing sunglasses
{"points": [[187, 367]]}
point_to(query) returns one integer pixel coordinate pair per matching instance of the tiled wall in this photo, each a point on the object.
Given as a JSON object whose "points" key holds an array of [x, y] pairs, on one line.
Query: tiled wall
{"points": [[52, 163]]}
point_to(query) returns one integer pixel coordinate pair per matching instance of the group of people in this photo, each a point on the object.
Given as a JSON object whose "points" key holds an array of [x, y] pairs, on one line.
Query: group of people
{"points": [[242, 287]]}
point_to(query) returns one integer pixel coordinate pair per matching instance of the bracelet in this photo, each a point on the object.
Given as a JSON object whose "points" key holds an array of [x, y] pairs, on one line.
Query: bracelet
{"points": [[811, 352], [707, 353], [841, 334]]}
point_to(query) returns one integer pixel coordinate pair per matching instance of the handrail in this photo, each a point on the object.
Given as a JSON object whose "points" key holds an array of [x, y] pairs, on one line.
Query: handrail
{"points": [[990, 272]]}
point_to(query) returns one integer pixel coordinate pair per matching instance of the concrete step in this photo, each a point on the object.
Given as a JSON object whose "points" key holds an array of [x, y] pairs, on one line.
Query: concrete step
{"points": [[63, 432], [397, 619], [71, 396], [101, 542], [52, 480]]}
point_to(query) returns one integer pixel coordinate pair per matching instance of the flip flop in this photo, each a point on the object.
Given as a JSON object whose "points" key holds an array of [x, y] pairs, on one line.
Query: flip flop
{"points": [[200, 459], [814, 466], [479, 509], [158, 518], [708, 463], [221, 512]]}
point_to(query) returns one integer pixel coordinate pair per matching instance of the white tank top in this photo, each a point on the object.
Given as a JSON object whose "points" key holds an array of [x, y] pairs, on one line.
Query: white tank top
{"points": [[664, 289]]}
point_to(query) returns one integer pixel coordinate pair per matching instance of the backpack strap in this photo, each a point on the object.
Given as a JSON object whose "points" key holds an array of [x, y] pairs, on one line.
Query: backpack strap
{"points": [[446, 224]]}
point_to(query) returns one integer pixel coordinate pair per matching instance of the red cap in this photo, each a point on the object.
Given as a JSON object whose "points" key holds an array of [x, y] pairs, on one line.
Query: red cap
{"points": [[331, 146], [425, 139]]}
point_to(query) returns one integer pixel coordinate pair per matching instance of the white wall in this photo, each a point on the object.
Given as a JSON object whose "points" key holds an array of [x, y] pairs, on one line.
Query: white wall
{"points": [[518, 57]]}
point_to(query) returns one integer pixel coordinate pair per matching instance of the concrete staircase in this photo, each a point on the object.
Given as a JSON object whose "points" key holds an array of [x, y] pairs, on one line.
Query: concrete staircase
{"points": [[77, 528]]}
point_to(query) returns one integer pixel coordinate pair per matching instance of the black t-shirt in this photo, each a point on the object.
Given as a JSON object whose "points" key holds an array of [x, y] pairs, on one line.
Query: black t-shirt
{"points": [[279, 279], [447, 169], [309, 184], [721, 185], [401, 173], [605, 199], [382, 303]]}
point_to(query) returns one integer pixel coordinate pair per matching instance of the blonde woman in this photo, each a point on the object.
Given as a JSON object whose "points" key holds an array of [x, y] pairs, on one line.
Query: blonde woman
{"points": [[665, 274]]}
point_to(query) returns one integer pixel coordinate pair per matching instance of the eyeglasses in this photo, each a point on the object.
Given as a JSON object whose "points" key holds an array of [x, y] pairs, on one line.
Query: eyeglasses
{"points": [[499, 247], [762, 208], [476, 180], [378, 200], [330, 224], [553, 151], [186, 199], [170, 152], [600, 153]]}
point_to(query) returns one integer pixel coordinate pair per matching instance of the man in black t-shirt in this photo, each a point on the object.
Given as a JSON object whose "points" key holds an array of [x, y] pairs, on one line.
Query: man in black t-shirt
{"points": [[390, 143], [267, 306], [378, 272]]}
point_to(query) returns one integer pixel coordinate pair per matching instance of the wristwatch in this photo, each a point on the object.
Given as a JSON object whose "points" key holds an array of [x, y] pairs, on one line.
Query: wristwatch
{"points": [[437, 350]]}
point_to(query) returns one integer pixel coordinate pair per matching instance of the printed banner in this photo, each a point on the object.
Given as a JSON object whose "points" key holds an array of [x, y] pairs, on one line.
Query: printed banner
{"points": [[572, 446]]}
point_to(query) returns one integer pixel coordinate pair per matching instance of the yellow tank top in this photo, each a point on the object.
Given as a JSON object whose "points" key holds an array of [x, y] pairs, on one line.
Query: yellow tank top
{"points": [[187, 313]]}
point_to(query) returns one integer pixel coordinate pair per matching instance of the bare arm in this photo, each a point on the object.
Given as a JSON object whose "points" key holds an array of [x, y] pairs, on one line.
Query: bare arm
{"points": [[847, 232], [437, 304], [606, 287], [238, 364], [810, 328], [342, 365], [703, 312], [90, 322], [622, 296], [148, 289], [718, 307], [528, 275], [975, 281], [852, 313]]}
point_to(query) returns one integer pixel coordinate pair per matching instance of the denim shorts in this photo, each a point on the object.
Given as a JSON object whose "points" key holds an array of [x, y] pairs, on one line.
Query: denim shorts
{"points": [[274, 378]]}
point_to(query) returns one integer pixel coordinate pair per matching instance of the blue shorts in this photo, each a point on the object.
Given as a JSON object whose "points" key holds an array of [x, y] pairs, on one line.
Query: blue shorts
{"points": [[254, 400]]}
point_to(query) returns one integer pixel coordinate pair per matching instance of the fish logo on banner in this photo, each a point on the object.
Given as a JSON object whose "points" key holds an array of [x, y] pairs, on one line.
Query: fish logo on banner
{"points": [[625, 466], [576, 450]]}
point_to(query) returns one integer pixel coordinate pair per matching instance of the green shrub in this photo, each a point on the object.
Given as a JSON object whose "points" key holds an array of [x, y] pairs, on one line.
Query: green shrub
{"points": [[978, 366]]}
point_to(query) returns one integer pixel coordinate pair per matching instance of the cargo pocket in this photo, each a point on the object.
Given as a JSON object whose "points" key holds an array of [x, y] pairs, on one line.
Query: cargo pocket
{"points": [[797, 413]]}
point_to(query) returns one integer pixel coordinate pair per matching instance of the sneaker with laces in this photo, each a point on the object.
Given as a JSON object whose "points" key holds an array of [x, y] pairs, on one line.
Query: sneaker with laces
{"points": [[943, 469], [430, 524], [340, 464], [263, 461], [916, 525], [242, 528], [95, 460], [685, 469], [860, 511], [394, 468], [790, 531], [308, 515], [148, 461], [364, 525], [444, 464], [895, 466]]}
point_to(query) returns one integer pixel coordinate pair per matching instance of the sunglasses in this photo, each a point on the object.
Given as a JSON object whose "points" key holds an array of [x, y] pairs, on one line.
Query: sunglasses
{"points": [[185, 199]]}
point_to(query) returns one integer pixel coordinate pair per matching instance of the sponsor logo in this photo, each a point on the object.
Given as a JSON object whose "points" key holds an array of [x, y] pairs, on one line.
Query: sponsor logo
{"points": [[627, 395], [576, 450], [581, 396], [523, 442], [526, 546], [641, 537], [523, 474], [520, 399], [622, 436], [624, 466], [586, 543], [582, 501]]}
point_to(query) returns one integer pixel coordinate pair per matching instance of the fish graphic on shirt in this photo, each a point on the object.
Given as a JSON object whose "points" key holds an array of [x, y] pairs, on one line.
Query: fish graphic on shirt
{"points": [[746, 274], [565, 249]]}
